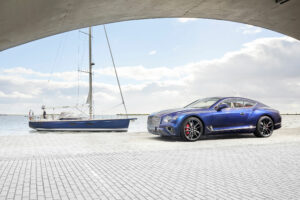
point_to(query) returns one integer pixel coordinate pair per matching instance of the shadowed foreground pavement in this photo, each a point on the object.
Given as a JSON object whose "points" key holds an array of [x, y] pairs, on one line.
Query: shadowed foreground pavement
{"points": [[143, 166]]}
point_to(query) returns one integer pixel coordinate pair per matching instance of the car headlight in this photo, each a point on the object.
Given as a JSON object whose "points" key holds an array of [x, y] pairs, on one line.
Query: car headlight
{"points": [[169, 118]]}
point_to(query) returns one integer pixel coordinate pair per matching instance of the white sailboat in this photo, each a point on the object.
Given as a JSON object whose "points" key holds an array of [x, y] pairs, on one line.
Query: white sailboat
{"points": [[78, 124]]}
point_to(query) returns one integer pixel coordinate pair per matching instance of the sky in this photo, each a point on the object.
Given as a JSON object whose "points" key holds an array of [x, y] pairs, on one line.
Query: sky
{"points": [[162, 64]]}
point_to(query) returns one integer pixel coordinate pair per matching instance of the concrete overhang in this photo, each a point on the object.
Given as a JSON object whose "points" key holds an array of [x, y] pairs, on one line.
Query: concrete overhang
{"points": [[22, 21]]}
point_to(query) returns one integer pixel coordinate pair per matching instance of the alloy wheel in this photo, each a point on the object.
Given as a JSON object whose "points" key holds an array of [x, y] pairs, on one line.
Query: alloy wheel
{"points": [[265, 127], [192, 129]]}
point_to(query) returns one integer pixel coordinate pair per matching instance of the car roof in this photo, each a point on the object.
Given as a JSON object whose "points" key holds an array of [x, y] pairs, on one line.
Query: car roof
{"points": [[222, 98]]}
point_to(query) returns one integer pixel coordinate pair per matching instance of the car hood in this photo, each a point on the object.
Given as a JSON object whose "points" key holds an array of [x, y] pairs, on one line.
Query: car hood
{"points": [[179, 111]]}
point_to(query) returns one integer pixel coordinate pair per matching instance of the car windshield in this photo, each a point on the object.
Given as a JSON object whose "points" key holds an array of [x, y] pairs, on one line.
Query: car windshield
{"points": [[203, 103]]}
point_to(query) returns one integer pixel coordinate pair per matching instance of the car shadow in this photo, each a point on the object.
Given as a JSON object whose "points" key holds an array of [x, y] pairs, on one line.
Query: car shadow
{"points": [[208, 137], [228, 136]]}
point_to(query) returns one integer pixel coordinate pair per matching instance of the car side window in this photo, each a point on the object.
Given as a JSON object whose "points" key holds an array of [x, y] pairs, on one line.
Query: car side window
{"points": [[238, 103], [229, 103], [248, 104]]}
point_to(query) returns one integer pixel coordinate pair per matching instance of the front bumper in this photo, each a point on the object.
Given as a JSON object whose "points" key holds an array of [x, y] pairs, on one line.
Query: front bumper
{"points": [[156, 126], [164, 130]]}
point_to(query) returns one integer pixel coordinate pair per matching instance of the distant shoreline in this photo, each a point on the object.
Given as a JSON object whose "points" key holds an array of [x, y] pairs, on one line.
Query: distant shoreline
{"points": [[58, 114], [142, 114], [13, 115], [133, 114]]}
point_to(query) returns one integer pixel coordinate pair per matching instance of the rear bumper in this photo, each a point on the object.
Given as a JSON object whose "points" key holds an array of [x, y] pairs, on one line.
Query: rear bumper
{"points": [[277, 125]]}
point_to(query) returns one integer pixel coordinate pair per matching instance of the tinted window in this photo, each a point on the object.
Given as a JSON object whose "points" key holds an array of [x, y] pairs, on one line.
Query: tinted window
{"points": [[248, 103], [238, 103], [229, 103]]}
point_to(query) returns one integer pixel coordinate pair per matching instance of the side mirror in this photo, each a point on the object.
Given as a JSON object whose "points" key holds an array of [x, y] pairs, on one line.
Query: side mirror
{"points": [[221, 107]]}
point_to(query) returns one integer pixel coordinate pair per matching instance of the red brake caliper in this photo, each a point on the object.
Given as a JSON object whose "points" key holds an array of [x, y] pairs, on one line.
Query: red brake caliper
{"points": [[187, 127]]}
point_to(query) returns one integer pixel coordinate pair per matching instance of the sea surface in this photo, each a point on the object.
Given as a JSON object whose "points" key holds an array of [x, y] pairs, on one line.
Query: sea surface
{"points": [[18, 125]]}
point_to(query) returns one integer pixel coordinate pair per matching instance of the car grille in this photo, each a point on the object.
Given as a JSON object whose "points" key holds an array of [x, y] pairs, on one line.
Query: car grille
{"points": [[153, 121]]}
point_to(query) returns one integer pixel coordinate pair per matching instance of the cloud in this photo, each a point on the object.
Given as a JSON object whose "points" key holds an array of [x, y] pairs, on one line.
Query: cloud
{"points": [[184, 20], [152, 52], [249, 29], [17, 71], [265, 69], [140, 73], [14, 95]]}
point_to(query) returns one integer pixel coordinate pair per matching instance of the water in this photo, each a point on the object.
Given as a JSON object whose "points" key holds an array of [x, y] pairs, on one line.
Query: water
{"points": [[18, 125]]}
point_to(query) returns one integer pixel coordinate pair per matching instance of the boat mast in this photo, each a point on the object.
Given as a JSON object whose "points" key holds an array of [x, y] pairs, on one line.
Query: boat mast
{"points": [[90, 75]]}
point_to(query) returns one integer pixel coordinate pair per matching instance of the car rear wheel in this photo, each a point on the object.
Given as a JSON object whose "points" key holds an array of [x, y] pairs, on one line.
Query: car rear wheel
{"points": [[191, 129], [264, 127]]}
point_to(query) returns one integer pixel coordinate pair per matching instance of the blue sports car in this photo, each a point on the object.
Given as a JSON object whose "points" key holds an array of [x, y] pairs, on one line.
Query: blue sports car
{"points": [[216, 115]]}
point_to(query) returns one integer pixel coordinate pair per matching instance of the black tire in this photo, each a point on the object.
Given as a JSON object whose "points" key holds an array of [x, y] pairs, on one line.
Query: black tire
{"points": [[191, 129], [264, 127]]}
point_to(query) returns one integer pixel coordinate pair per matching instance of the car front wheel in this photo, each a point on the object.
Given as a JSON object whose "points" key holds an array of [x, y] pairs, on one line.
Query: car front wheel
{"points": [[264, 127], [192, 129]]}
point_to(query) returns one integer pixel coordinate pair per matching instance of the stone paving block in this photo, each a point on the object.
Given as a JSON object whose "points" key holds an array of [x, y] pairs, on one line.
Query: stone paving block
{"points": [[146, 167]]}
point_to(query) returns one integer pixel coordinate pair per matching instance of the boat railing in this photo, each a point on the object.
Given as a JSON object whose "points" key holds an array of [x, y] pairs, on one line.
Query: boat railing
{"points": [[42, 118]]}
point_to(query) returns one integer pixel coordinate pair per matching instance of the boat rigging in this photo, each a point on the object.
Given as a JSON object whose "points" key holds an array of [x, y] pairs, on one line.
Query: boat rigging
{"points": [[70, 123]]}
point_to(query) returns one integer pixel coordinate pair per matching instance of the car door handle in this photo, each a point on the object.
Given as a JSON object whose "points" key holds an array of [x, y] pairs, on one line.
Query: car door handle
{"points": [[242, 113]]}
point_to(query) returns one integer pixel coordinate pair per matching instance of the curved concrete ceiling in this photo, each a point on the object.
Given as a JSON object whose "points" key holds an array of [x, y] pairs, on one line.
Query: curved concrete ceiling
{"points": [[23, 21]]}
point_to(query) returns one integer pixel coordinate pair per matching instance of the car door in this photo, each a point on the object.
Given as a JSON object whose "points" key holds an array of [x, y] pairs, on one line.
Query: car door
{"points": [[234, 117]]}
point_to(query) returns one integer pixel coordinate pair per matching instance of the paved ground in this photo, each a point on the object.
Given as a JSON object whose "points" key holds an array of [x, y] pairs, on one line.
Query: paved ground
{"points": [[142, 166]]}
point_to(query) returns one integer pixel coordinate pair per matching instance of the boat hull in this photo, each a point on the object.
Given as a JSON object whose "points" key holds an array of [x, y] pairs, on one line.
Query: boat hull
{"points": [[82, 125]]}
